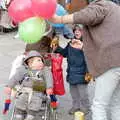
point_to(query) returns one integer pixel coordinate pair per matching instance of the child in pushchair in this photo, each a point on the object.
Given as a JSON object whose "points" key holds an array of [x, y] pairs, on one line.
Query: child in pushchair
{"points": [[36, 83]]}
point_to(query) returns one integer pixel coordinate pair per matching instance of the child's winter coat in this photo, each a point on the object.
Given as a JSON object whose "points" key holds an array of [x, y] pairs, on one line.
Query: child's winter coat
{"points": [[77, 67]]}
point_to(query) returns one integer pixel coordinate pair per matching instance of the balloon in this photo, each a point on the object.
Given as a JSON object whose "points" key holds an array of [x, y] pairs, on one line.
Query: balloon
{"points": [[44, 8], [19, 10], [60, 11], [32, 29]]}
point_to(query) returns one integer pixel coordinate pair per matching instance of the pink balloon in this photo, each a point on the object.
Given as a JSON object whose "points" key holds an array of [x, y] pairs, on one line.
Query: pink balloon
{"points": [[44, 8], [19, 10]]}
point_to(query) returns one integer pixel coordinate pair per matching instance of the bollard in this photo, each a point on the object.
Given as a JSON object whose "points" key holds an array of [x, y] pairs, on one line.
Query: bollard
{"points": [[79, 116]]}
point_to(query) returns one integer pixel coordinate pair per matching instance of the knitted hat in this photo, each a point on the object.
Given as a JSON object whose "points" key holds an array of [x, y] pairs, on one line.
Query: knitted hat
{"points": [[77, 26], [31, 54]]}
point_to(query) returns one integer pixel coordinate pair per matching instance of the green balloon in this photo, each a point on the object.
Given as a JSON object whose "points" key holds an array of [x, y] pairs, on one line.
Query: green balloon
{"points": [[32, 29]]}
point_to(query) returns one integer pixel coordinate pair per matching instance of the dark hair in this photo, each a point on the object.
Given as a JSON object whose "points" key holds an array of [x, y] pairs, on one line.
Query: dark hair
{"points": [[54, 34], [42, 45], [75, 28]]}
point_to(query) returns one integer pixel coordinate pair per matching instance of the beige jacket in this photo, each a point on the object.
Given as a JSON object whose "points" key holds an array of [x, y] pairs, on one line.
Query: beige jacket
{"points": [[101, 35]]}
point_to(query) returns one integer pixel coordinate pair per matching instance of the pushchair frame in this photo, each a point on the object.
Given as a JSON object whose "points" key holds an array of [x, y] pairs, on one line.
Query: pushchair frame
{"points": [[49, 113]]}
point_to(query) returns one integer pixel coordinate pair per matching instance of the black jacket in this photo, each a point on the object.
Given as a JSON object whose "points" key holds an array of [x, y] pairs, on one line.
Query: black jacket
{"points": [[77, 67]]}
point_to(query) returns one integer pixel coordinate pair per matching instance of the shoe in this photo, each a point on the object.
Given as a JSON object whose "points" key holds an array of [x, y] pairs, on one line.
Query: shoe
{"points": [[86, 111], [73, 110]]}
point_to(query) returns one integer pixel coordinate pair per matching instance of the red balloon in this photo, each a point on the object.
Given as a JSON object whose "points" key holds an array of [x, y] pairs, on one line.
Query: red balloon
{"points": [[19, 10], [44, 8]]}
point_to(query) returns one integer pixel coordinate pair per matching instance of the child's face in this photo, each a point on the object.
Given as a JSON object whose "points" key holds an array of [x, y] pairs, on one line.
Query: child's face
{"points": [[78, 33], [35, 63]]}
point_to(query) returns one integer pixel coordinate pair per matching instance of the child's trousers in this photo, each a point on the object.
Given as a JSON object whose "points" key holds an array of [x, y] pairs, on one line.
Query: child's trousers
{"points": [[79, 95]]}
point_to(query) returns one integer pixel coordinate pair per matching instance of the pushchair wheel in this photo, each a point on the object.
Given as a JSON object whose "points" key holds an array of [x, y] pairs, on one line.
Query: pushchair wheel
{"points": [[51, 113]]}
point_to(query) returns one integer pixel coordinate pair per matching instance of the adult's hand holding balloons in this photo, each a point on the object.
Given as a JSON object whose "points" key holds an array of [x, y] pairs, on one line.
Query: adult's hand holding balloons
{"points": [[60, 11]]}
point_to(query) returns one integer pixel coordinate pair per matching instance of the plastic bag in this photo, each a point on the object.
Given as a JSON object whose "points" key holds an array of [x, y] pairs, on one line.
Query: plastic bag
{"points": [[57, 73]]}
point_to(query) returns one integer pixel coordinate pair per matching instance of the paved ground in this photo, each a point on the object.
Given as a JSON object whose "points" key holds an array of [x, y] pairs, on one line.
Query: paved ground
{"points": [[9, 49]]}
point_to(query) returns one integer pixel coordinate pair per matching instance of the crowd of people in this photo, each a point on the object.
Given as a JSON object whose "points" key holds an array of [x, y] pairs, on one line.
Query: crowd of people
{"points": [[93, 49]]}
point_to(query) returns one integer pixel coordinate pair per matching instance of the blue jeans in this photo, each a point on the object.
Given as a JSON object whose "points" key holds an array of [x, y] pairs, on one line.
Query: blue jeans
{"points": [[66, 31], [106, 87]]}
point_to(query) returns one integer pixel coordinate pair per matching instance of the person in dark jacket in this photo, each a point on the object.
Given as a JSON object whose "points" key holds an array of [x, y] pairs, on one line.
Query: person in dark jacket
{"points": [[76, 71]]}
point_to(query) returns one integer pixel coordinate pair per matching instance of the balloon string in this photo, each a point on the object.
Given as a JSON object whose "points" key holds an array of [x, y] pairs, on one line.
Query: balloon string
{"points": [[50, 29]]}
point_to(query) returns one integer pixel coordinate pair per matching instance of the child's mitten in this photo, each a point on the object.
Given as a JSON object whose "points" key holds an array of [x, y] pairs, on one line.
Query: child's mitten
{"points": [[49, 91], [54, 102], [6, 105]]}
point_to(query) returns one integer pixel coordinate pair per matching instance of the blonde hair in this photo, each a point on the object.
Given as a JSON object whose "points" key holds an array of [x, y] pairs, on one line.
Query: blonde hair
{"points": [[55, 41]]}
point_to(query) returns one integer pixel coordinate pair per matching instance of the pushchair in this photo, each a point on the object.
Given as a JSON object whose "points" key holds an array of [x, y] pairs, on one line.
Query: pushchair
{"points": [[47, 112]]}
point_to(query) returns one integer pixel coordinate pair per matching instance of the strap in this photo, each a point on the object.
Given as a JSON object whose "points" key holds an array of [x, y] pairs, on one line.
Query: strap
{"points": [[30, 73]]}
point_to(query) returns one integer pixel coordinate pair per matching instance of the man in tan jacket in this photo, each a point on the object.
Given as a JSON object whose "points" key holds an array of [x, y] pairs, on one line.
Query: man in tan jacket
{"points": [[101, 20]]}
